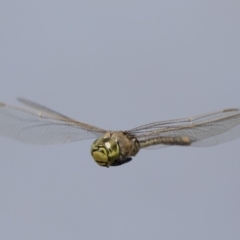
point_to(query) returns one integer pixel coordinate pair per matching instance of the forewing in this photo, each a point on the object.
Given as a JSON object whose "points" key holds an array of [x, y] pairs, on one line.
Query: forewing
{"points": [[46, 127], [41, 108], [202, 131]]}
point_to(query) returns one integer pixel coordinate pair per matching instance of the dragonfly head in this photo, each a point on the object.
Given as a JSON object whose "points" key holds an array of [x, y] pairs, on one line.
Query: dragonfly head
{"points": [[105, 151]]}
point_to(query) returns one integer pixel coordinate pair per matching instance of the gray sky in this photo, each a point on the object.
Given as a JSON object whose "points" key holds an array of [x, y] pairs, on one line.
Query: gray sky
{"points": [[119, 65]]}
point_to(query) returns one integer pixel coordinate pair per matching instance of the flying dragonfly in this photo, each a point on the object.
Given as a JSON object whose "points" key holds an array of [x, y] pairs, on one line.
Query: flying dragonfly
{"points": [[42, 125]]}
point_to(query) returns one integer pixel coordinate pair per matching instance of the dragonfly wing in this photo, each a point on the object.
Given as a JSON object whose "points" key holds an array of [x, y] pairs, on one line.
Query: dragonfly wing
{"points": [[41, 108], [46, 127], [202, 131]]}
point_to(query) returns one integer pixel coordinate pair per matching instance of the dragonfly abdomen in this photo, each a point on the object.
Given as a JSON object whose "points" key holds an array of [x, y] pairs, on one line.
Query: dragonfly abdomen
{"points": [[182, 141]]}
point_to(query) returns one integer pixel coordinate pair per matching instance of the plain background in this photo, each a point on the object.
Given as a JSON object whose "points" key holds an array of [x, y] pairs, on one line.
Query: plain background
{"points": [[118, 65]]}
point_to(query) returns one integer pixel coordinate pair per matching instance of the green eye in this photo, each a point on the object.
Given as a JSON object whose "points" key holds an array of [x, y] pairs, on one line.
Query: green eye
{"points": [[105, 151]]}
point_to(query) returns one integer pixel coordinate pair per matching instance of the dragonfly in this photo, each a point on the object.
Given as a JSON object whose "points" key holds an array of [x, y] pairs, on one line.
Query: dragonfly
{"points": [[41, 125]]}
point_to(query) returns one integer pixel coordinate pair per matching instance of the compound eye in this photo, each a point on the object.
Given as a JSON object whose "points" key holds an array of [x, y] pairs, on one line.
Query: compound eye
{"points": [[105, 151]]}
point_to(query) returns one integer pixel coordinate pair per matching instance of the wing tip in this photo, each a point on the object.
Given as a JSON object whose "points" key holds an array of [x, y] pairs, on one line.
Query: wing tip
{"points": [[22, 100], [230, 110]]}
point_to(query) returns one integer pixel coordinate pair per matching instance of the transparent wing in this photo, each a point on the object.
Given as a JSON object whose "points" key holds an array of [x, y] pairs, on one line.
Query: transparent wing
{"points": [[40, 108], [43, 127], [202, 131]]}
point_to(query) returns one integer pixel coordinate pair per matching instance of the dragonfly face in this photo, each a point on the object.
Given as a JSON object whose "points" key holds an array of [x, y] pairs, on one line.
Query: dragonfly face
{"points": [[105, 151]]}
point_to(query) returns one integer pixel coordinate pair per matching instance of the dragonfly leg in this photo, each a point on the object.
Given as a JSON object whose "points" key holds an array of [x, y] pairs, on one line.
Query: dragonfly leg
{"points": [[120, 162]]}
